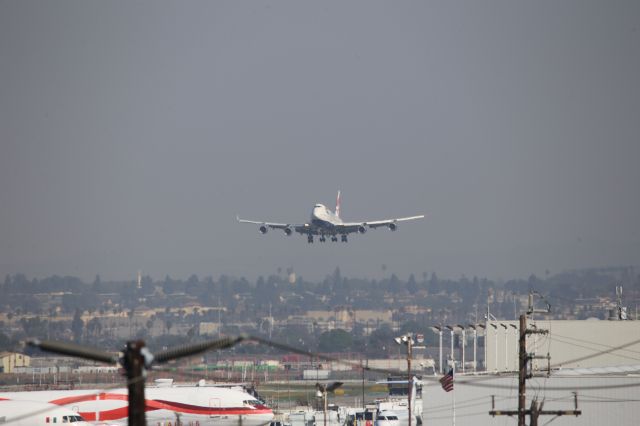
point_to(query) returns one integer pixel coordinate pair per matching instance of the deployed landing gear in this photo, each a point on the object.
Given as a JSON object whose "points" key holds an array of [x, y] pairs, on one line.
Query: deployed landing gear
{"points": [[343, 238], [334, 239], [310, 239], [322, 239]]}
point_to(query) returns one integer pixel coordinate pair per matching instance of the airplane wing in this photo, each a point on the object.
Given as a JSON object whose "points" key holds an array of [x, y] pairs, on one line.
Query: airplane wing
{"points": [[389, 223], [288, 228]]}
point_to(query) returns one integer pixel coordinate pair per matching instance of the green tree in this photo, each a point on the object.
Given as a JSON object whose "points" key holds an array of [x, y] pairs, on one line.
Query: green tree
{"points": [[77, 326], [381, 339], [337, 340], [412, 286]]}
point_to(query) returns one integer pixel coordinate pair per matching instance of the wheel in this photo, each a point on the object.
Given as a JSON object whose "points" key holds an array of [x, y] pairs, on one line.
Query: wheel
{"points": [[344, 238], [310, 239], [334, 239]]}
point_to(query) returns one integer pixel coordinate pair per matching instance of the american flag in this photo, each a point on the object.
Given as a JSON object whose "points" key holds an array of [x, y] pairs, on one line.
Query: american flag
{"points": [[447, 381]]}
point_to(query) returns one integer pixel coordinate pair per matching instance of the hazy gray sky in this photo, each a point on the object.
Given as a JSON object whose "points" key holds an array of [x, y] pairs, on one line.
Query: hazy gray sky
{"points": [[132, 133]]}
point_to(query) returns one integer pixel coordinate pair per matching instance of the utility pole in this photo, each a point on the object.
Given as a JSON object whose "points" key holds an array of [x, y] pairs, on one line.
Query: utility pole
{"points": [[135, 359], [522, 370], [410, 385], [523, 363], [134, 362]]}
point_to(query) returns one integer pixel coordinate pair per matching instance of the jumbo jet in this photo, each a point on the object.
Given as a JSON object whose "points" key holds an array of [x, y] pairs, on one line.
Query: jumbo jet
{"points": [[325, 223], [165, 405]]}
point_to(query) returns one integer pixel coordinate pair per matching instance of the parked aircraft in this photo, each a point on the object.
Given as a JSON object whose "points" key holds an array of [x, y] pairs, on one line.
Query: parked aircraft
{"points": [[33, 413], [325, 223], [187, 405]]}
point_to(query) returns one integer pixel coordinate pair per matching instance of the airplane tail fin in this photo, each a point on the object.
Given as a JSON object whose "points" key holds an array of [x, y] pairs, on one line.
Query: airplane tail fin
{"points": [[338, 204]]}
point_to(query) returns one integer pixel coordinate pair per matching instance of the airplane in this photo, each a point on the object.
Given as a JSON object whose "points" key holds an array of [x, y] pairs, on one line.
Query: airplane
{"points": [[166, 404], [34, 413], [326, 223]]}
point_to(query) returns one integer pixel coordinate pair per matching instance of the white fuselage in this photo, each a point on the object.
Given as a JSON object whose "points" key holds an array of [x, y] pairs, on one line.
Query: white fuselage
{"points": [[322, 217], [34, 413], [192, 405]]}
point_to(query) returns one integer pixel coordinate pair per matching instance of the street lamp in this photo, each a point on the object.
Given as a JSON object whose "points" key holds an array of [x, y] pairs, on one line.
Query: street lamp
{"points": [[438, 329], [407, 339], [322, 391]]}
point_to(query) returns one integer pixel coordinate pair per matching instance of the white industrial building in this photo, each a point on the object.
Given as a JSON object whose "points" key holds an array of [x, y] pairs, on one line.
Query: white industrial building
{"points": [[597, 361], [570, 344]]}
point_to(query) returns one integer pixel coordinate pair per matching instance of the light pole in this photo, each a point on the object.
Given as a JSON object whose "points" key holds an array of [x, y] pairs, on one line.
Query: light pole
{"points": [[484, 333], [452, 330], [407, 339], [506, 347], [517, 334], [495, 330], [438, 329], [464, 342], [475, 345], [322, 391]]}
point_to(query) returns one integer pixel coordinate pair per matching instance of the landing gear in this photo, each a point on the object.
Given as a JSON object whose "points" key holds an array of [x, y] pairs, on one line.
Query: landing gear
{"points": [[334, 239], [322, 239], [310, 239], [343, 238]]}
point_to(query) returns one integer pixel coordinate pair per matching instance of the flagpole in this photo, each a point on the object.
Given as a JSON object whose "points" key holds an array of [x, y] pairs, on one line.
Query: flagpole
{"points": [[453, 394], [447, 383]]}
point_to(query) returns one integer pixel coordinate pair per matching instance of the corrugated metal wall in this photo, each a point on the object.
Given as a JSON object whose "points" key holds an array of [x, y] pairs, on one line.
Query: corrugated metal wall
{"points": [[571, 344]]}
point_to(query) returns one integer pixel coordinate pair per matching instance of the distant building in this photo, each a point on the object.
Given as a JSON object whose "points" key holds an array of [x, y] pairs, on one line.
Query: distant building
{"points": [[208, 328], [10, 360]]}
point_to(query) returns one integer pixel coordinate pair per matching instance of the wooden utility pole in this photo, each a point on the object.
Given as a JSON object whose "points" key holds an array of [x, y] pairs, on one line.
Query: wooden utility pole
{"points": [[523, 357], [134, 370], [410, 381], [522, 375]]}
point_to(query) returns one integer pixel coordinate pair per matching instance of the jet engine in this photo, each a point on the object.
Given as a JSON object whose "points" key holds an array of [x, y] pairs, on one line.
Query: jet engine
{"points": [[393, 226], [287, 231], [362, 229], [263, 229]]}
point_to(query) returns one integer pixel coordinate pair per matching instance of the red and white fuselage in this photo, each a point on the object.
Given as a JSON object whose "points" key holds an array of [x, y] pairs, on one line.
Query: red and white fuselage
{"points": [[33, 413], [191, 405]]}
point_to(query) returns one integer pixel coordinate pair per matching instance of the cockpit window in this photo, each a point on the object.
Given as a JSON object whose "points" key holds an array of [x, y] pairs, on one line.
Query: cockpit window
{"points": [[252, 402]]}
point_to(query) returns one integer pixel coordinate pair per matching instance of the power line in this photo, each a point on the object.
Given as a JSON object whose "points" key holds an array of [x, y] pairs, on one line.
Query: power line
{"points": [[592, 349], [594, 343]]}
